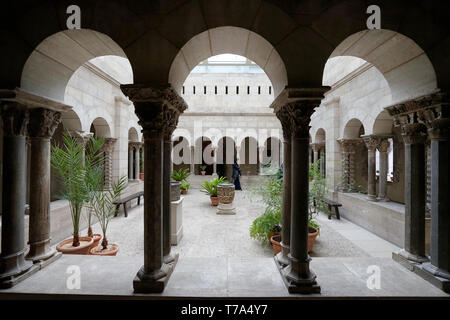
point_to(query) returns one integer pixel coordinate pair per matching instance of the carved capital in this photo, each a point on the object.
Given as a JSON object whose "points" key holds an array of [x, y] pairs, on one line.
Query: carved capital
{"points": [[286, 123], [318, 146], [384, 145], [349, 145], [108, 145], [414, 133], [15, 118], [43, 123], [157, 107], [300, 112], [171, 117], [372, 142]]}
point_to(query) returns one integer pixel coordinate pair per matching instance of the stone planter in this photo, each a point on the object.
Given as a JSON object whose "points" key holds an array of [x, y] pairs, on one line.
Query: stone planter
{"points": [[175, 191], [225, 194]]}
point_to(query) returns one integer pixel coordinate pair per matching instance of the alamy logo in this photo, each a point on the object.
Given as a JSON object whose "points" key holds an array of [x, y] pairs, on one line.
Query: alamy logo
{"points": [[374, 280], [374, 21], [74, 20], [73, 282]]}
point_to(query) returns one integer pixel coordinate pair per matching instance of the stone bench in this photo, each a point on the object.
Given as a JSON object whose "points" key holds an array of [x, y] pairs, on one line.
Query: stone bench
{"points": [[124, 201]]}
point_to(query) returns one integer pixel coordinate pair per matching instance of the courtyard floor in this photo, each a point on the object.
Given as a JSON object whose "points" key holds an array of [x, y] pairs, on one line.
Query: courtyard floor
{"points": [[217, 258]]}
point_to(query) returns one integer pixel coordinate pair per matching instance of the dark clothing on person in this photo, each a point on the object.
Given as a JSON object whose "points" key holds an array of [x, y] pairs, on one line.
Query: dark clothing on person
{"points": [[235, 176]]}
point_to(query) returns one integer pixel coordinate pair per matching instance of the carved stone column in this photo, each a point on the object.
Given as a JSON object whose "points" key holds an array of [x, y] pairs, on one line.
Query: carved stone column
{"points": [[12, 262], [414, 136], [214, 151], [435, 114], [42, 125], [151, 104], [372, 143], [171, 116], [283, 256], [299, 104], [192, 163], [108, 148], [130, 161], [383, 148], [348, 147]]}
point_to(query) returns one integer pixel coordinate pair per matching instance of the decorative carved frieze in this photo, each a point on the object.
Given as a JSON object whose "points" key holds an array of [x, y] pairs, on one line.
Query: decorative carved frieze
{"points": [[414, 133], [349, 145], [43, 122]]}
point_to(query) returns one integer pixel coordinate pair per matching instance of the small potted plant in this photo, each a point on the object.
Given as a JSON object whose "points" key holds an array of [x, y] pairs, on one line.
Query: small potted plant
{"points": [[203, 170], [184, 187], [180, 175], [210, 188], [68, 163], [105, 210]]}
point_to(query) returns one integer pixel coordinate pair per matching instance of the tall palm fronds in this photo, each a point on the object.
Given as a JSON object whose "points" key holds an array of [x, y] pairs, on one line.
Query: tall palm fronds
{"points": [[104, 207], [67, 161]]}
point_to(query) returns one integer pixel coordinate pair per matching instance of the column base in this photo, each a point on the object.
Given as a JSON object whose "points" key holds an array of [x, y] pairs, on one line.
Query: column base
{"points": [[226, 208], [14, 269], [282, 257], [307, 285], [40, 251], [155, 282], [372, 198], [384, 199], [437, 277], [408, 260], [168, 259]]}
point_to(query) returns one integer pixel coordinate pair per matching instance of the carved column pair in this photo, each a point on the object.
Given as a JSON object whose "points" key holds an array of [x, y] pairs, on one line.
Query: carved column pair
{"points": [[134, 157], [157, 107], [429, 114], [348, 147], [294, 107], [22, 115]]}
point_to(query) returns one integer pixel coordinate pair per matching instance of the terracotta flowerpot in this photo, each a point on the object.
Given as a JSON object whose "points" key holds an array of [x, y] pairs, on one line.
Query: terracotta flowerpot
{"points": [[273, 233], [275, 241], [65, 246], [214, 201], [110, 252], [97, 237], [183, 191], [141, 176], [203, 173], [312, 235]]}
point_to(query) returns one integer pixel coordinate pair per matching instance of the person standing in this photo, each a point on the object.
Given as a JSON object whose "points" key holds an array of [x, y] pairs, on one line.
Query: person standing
{"points": [[235, 176]]}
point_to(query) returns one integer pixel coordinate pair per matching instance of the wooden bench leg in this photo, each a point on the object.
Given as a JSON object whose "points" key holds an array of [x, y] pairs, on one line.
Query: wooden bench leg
{"points": [[139, 200], [125, 209], [329, 213], [337, 213], [117, 210]]}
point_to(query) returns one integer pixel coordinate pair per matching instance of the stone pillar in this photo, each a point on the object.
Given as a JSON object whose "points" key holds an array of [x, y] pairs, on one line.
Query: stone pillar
{"points": [[130, 161], [283, 256], [299, 104], [238, 154], [371, 142], [12, 262], [151, 104], [137, 161], [214, 151], [383, 148], [436, 117], [348, 164], [171, 120], [260, 159], [192, 163], [43, 123], [107, 149], [406, 117]]}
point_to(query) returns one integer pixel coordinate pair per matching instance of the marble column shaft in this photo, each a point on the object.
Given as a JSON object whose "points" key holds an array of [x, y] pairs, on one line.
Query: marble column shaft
{"points": [[130, 162], [283, 256], [12, 262], [43, 123], [383, 148], [167, 171], [371, 144]]}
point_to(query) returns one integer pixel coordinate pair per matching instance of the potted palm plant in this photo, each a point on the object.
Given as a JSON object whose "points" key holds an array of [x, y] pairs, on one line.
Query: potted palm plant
{"points": [[184, 187], [203, 170], [94, 180], [68, 163], [210, 188], [105, 209]]}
